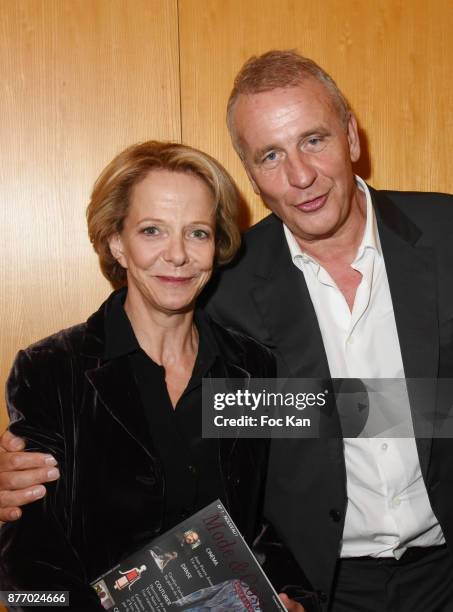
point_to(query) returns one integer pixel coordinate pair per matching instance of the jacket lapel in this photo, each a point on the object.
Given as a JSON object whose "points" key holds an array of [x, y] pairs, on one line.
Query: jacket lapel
{"points": [[118, 394], [114, 382], [282, 298], [412, 280]]}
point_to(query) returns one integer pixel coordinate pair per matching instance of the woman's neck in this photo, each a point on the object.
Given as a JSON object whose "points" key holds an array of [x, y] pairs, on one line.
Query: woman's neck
{"points": [[168, 338]]}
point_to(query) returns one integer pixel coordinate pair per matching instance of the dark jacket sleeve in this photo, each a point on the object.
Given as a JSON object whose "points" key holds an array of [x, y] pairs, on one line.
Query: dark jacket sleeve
{"points": [[36, 552]]}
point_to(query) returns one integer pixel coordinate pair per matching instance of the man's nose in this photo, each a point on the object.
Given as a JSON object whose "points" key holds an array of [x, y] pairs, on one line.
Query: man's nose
{"points": [[300, 171], [175, 251]]}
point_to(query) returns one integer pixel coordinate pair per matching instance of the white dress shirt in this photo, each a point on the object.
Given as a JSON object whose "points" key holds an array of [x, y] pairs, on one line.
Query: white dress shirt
{"points": [[388, 507]]}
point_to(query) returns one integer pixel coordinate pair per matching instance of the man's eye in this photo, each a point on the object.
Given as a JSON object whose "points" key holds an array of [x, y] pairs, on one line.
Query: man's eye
{"points": [[151, 230], [270, 157], [315, 144]]}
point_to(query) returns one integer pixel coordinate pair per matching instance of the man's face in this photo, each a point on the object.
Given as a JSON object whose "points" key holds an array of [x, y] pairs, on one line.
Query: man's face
{"points": [[298, 152]]}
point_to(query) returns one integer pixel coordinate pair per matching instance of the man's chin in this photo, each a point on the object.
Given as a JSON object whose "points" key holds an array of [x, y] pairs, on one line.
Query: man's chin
{"points": [[313, 232]]}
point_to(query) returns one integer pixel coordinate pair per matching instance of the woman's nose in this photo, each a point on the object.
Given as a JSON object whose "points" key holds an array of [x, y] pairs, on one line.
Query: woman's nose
{"points": [[176, 252]]}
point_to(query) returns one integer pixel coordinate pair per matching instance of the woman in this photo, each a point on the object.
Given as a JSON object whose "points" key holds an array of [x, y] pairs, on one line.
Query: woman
{"points": [[117, 399]]}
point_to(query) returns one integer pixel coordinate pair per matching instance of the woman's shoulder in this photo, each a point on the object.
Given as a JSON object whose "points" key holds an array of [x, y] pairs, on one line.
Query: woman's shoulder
{"points": [[59, 341], [75, 342], [47, 358]]}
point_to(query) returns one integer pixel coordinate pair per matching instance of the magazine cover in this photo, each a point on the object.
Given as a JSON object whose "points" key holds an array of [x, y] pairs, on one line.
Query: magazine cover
{"points": [[201, 564]]}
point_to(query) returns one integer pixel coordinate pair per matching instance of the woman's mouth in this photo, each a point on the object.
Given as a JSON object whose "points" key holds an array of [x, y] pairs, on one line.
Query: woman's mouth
{"points": [[175, 280]]}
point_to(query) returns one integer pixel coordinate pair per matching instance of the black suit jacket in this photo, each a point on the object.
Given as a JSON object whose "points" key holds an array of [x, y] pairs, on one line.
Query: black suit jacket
{"points": [[264, 295], [65, 398]]}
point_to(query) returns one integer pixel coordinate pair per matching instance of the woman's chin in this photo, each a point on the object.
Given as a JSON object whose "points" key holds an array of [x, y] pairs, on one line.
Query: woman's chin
{"points": [[174, 307]]}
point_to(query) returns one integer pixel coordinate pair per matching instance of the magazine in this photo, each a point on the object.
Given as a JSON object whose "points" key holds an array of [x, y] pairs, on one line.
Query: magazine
{"points": [[201, 564]]}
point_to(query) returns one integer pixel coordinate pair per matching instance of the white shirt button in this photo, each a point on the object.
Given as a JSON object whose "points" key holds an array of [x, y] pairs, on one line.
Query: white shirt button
{"points": [[396, 501], [384, 446], [350, 340]]}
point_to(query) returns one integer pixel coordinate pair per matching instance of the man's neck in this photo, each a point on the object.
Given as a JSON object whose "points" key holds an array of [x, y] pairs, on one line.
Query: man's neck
{"points": [[337, 252]]}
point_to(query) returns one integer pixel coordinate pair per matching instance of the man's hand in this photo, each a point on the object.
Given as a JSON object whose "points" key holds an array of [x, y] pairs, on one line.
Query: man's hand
{"points": [[22, 475], [290, 604]]}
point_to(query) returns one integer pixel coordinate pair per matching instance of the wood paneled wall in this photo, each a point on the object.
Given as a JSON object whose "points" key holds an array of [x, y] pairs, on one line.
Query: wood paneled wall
{"points": [[81, 79]]}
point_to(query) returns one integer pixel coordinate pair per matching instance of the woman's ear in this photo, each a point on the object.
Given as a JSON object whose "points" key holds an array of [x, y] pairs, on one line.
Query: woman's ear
{"points": [[117, 250]]}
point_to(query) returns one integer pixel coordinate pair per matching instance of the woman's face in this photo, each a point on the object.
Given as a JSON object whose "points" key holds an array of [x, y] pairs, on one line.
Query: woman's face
{"points": [[168, 240]]}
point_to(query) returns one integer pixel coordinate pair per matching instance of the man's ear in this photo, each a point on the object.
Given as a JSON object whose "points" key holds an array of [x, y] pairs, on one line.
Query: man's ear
{"points": [[353, 138], [116, 249]]}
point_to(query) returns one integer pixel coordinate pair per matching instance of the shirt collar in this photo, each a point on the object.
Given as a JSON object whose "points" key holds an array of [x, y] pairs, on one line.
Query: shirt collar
{"points": [[208, 349], [119, 335], [120, 338], [370, 237]]}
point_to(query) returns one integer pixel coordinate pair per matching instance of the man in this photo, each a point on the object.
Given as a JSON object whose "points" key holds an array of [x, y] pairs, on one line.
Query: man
{"points": [[343, 282]]}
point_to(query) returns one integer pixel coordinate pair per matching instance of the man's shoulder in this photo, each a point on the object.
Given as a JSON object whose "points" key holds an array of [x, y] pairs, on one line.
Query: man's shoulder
{"points": [[268, 228], [244, 350], [432, 212], [259, 245], [418, 198]]}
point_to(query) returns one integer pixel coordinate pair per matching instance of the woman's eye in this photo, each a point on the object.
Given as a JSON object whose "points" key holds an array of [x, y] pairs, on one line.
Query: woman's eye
{"points": [[151, 230], [199, 233]]}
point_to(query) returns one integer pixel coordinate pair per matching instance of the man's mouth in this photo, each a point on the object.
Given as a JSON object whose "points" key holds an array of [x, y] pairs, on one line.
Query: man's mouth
{"points": [[312, 205]]}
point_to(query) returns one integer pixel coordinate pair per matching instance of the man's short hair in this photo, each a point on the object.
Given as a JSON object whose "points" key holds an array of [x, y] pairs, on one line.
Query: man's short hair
{"points": [[280, 68]]}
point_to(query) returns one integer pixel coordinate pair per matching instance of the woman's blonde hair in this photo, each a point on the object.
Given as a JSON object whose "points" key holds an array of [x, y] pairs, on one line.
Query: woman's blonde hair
{"points": [[110, 199]]}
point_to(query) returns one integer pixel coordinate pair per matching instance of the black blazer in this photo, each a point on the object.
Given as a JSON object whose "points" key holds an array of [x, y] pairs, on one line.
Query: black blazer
{"points": [[264, 295], [64, 398]]}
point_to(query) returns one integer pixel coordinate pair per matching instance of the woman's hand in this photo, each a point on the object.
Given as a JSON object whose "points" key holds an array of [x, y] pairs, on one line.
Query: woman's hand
{"points": [[290, 604], [22, 475]]}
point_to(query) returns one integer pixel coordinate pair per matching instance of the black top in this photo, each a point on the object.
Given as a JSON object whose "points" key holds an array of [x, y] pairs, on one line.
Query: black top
{"points": [[191, 472]]}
